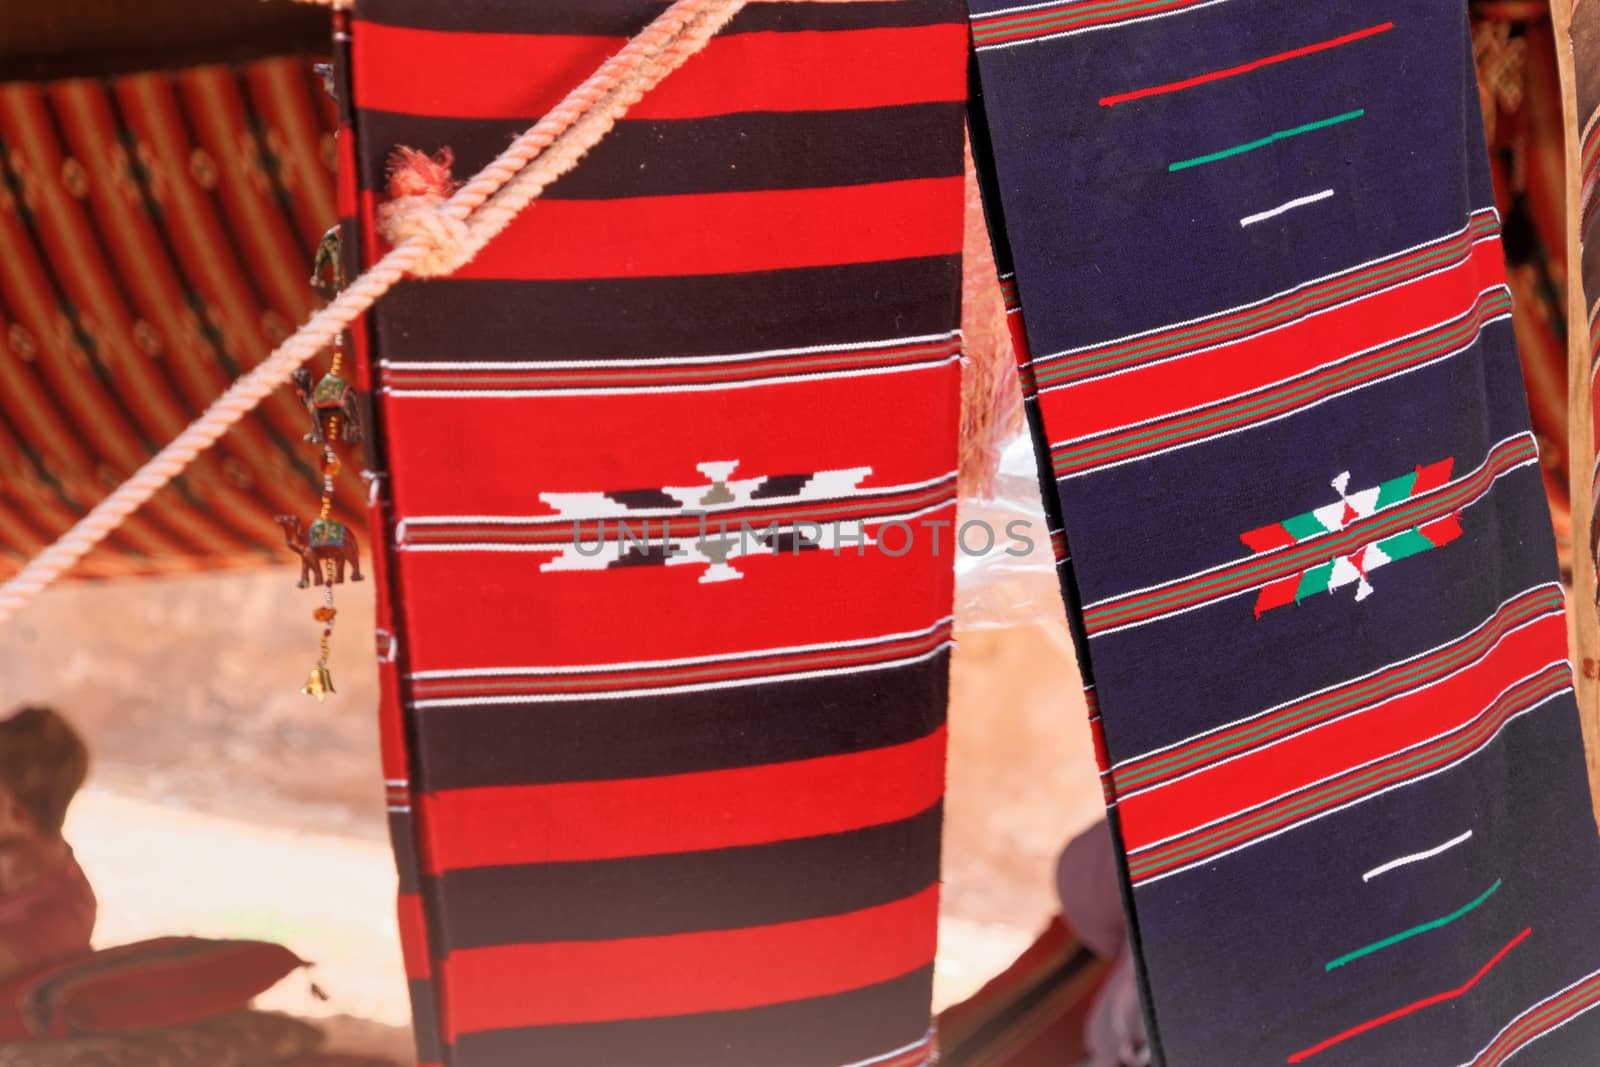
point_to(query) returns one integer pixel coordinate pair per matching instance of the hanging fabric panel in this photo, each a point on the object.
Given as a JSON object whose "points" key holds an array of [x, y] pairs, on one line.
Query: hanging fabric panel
{"points": [[1270, 360], [669, 798]]}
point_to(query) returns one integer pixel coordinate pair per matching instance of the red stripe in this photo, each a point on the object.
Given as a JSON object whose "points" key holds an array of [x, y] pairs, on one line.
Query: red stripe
{"points": [[391, 711], [1097, 733], [1244, 68], [1019, 340], [1277, 594], [745, 72], [1442, 531], [501, 610], [1225, 789], [1266, 538], [1157, 390], [582, 442], [681, 974], [726, 233], [1432, 476], [413, 936], [1425, 1002], [345, 144], [683, 812]]}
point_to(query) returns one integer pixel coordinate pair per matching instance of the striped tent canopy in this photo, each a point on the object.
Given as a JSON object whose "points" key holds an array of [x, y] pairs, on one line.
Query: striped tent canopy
{"points": [[157, 228]]}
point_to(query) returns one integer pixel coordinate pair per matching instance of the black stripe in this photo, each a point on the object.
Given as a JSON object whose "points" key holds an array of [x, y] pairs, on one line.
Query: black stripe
{"points": [[402, 836], [770, 721], [988, 179], [425, 1021], [681, 892], [841, 1028], [721, 154], [624, 18], [698, 315]]}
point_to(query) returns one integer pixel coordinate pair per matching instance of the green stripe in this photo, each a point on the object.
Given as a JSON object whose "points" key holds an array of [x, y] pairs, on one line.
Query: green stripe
{"points": [[1305, 525], [1404, 545], [1263, 142], [1395, 489], [1413, 932], [1313, 581]]}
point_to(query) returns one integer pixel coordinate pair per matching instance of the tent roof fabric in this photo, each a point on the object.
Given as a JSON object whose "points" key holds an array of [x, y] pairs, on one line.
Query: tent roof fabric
{"points": [[158, 231]]}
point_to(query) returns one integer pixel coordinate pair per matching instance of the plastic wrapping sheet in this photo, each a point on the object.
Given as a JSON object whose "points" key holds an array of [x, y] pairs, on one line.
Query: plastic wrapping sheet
{"points": [[1012, 582]]}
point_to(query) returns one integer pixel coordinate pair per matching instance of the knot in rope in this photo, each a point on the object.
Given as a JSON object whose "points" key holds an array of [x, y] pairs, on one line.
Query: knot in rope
{"points": [[422, 218], [419, 190]]}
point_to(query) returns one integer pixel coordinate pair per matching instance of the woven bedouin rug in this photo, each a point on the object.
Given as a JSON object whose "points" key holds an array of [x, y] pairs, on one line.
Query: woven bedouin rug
{"points": [[1270, 361], [674, 802]]}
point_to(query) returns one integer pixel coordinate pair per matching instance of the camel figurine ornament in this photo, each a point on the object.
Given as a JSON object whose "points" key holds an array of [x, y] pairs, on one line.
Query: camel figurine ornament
{"points": [[332, 398], [325, 553], [327, 269]]}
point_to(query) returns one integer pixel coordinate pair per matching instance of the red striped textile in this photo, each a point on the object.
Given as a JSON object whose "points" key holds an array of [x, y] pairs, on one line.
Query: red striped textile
{"points": [[666, 798], [1271, 352]]}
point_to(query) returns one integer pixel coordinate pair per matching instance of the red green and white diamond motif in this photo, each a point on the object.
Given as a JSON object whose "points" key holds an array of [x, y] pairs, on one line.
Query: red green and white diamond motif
{"points": [[1354, 567]]}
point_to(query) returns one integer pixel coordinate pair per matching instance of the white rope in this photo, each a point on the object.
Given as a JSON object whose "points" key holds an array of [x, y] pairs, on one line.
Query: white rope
{"points": [[448, 235]]}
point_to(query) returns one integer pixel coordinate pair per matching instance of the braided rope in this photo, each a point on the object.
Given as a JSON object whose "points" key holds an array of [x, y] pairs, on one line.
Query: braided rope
{"points": [[468, 220]]}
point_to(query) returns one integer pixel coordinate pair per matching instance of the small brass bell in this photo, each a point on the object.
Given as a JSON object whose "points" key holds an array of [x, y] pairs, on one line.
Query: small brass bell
{"points": [[319, 683]]}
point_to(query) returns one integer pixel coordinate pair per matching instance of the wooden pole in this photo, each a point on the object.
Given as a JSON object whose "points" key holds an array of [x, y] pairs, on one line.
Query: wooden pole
{"points": [[1583, 623]]}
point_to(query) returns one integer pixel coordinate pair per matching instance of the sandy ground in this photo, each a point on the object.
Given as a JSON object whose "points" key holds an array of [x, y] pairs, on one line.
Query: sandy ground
{"points": [[224, 803]]}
